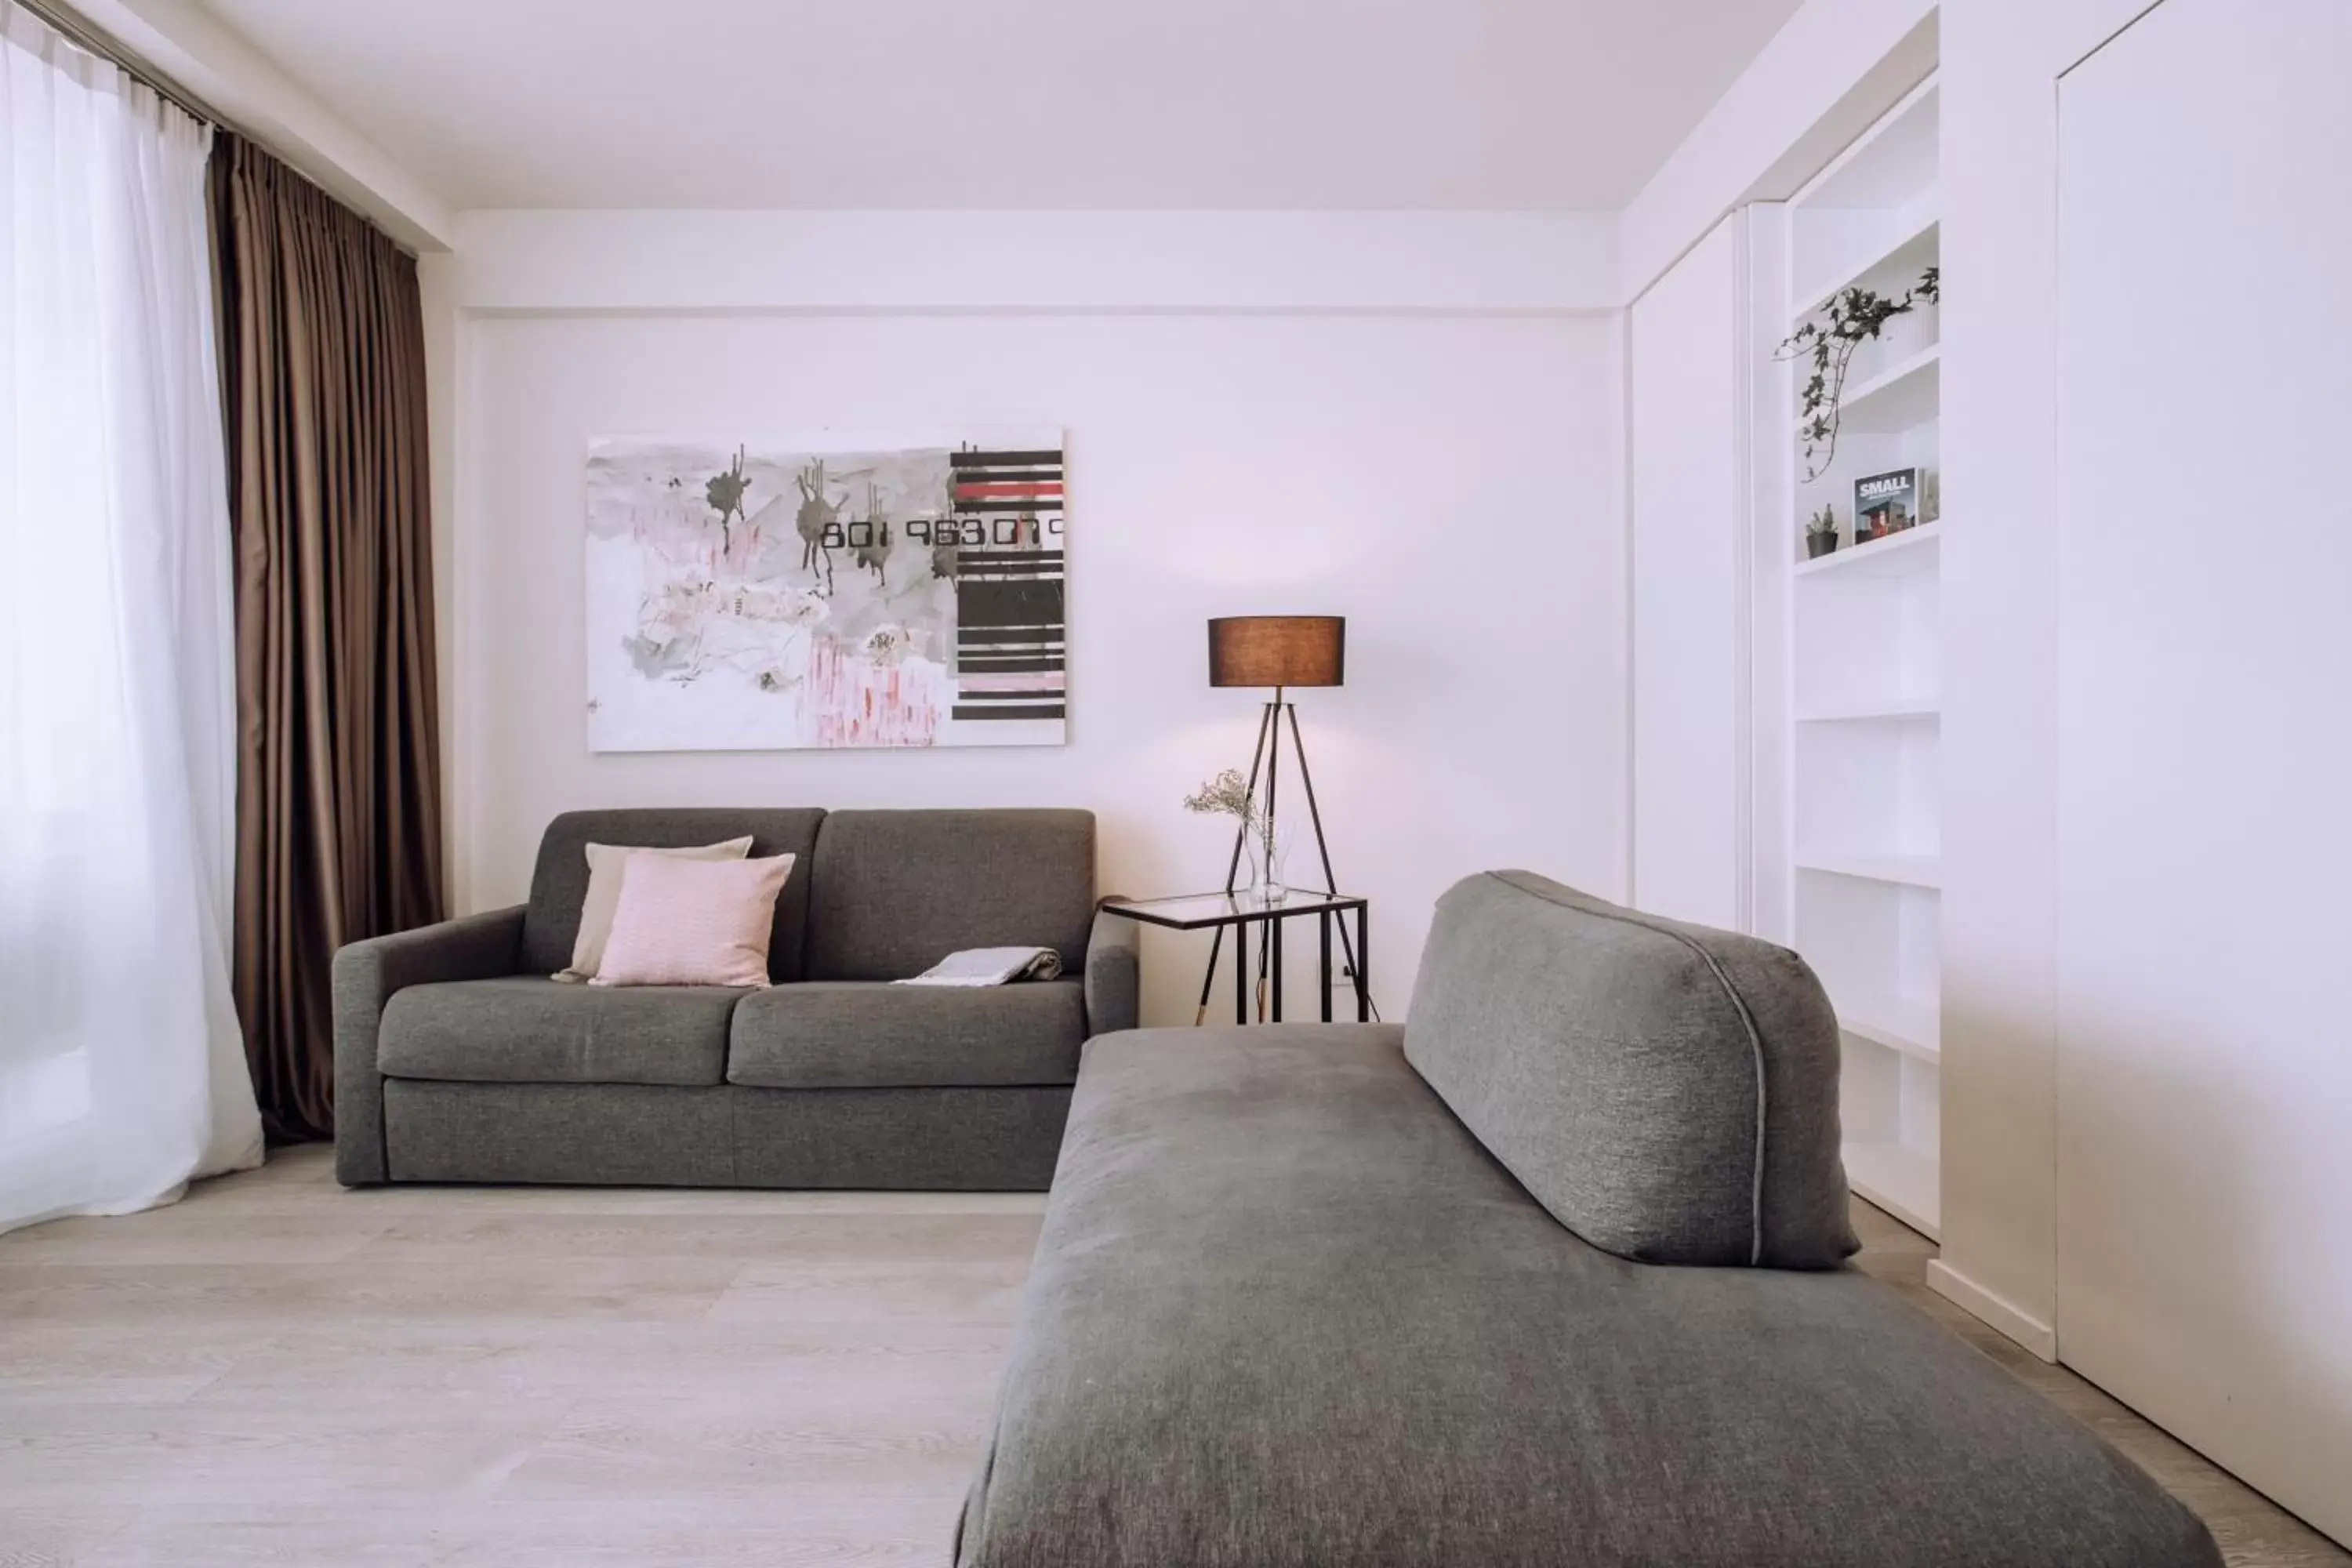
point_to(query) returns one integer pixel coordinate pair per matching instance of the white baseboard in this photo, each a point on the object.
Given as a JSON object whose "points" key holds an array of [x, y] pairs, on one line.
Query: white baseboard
{"points": [[1997, 1313]]}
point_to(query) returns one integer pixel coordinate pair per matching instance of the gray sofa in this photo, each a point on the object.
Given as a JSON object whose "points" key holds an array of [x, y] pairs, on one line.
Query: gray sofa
{"points": [[459, 1059], [1550, 1275]]}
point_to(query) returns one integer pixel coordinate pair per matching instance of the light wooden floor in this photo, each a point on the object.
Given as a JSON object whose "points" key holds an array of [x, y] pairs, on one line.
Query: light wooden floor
{"points": [[277, 1371]]}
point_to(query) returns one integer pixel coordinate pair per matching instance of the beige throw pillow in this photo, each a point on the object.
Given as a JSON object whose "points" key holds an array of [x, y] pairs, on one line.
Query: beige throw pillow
{"points": [[693, 922], [606, 864]]}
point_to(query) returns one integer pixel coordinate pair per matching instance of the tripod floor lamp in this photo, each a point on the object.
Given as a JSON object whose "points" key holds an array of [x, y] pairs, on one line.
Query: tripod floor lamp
{"points": [[1281, 652]]}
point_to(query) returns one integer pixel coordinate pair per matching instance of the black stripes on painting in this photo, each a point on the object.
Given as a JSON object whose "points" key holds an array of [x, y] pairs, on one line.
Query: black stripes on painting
{"points": [[971, 564], [961, 711], [983, 602], [1009, 601], [1007, 664], [961, 460]]}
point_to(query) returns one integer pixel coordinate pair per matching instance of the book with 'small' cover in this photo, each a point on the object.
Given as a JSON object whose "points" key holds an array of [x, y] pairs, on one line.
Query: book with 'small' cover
{"points": [[1886, 504]]}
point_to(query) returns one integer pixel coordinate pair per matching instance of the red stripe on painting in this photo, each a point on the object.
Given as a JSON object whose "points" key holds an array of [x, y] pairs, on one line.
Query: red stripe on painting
{"points": [[1026, 489]]}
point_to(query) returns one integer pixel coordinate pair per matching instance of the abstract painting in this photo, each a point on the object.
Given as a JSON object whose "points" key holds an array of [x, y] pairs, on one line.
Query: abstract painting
{"points": [[826, 590]]}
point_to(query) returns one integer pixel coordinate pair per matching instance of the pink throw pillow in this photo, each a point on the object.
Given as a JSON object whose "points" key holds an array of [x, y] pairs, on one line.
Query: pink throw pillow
{"points": [[693, 922]]}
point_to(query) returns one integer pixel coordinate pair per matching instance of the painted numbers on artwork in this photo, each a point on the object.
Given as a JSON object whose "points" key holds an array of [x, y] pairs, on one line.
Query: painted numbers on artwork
{"points": [[978, 532]]}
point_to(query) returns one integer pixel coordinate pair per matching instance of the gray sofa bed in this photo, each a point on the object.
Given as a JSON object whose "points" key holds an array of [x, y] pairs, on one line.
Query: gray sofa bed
{"points": [[1550, 1275], [459, 1059]]}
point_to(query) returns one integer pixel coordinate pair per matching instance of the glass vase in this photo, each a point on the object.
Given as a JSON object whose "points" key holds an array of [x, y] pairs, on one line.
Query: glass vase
{"points": [[1266, 845]]}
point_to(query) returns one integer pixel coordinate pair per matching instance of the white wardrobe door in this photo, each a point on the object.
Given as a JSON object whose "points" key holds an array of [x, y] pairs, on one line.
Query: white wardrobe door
{"points": [[2204, 560], [1688, 581]]}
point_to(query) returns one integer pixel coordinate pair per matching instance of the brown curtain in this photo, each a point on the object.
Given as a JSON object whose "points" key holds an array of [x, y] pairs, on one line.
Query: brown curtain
{"points": [[339, 769]]}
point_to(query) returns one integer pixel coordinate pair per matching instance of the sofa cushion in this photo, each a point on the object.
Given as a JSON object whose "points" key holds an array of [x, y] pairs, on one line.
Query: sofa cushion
{"points": [[559, 884], [1669, 1092], [693, 922], [531, 1029], [607, 865], [857, 1034], [1286, 1312], [893, 892]]}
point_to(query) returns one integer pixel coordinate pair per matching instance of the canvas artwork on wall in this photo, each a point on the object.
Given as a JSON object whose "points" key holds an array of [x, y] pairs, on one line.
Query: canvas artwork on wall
{"points": [[822, 591]]}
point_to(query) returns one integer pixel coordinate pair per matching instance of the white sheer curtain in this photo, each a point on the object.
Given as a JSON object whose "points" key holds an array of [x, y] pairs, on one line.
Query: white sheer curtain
{"points": [[121, 1068]]}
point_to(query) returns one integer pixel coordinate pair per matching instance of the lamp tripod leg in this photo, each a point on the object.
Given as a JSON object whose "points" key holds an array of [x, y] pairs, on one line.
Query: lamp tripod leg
{"points": [[1233, 865], [1322, 849], [1273, 773]]}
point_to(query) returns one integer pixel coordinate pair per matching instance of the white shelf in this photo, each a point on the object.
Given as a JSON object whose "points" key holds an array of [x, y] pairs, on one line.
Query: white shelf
{"points": [[1875, 866], [1912, 550], [1901, 1180], [1872, 709], [1914, 1028], [1887, 165], [1909, 395], [1908, 241]]}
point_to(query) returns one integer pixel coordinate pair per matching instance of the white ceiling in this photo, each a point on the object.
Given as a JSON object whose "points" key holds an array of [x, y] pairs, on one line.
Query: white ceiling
{"points": [[1465, 104]]}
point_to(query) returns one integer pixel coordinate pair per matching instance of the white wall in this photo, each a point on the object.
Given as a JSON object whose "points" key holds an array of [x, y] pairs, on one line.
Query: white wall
{"points": [[1690, 801], [2203, 847], [2001, 60], [1443, 473]]}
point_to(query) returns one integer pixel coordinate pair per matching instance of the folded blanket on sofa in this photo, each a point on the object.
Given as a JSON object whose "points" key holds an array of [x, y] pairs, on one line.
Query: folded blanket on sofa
{"points": [[989, 966]]}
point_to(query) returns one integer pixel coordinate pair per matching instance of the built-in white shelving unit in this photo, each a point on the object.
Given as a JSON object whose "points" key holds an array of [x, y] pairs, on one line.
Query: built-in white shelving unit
{"points": [[1864, 669]]}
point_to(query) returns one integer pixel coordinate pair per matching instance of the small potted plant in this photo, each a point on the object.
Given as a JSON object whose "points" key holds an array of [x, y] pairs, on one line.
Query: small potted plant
{"points": [[1820, 533]]}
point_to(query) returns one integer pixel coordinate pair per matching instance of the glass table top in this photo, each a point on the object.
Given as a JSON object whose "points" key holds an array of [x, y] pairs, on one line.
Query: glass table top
{"points": [[1189, 911]]}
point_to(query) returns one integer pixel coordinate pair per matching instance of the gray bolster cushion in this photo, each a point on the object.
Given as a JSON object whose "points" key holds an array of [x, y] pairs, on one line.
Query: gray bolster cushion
{"points": [[1669, 1092]]}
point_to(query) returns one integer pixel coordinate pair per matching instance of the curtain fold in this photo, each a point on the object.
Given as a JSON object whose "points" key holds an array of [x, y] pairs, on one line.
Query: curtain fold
{"points": [[121, 1070], [339, 793]]}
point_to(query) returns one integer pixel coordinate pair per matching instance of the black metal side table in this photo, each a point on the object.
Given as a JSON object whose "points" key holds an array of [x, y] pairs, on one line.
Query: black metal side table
{"points": [[1204, 911]]}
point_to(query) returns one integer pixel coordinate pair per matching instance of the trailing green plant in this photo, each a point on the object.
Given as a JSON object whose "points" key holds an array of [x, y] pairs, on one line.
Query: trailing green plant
{"points": [[1852, 317]]}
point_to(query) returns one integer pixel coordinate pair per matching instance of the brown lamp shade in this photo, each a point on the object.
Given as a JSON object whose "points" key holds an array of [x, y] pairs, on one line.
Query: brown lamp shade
{"points": [[1277, 650]]}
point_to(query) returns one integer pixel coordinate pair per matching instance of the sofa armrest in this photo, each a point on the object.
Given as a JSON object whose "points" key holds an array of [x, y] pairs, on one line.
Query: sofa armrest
{"points": [[1114, 974], [366, 973]]}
